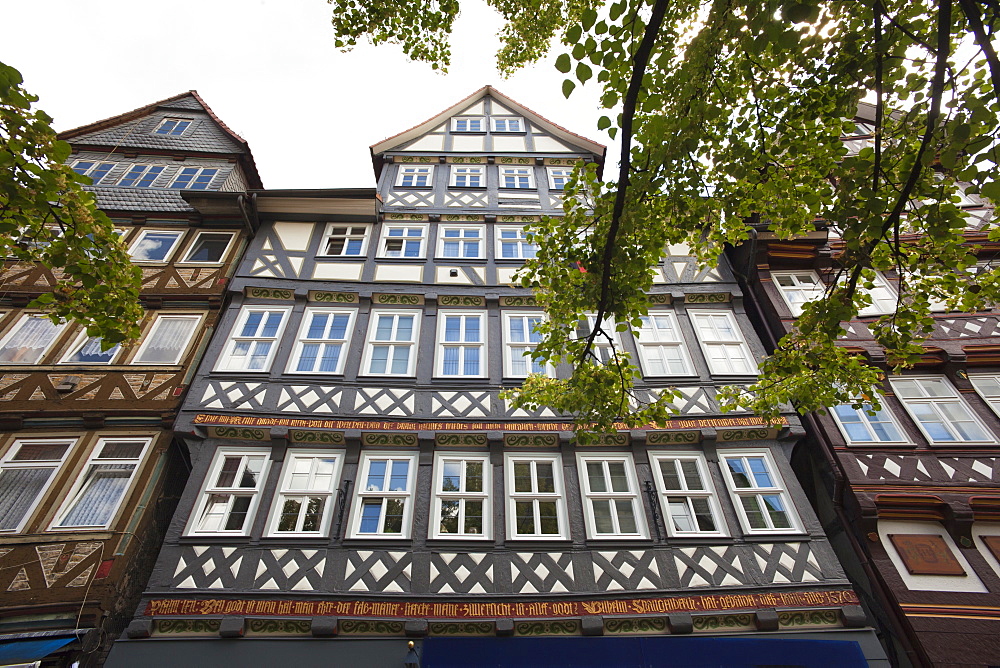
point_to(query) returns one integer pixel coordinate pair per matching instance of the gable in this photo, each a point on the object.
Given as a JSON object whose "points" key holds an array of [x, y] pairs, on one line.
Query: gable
{"points": [[203, 134]]}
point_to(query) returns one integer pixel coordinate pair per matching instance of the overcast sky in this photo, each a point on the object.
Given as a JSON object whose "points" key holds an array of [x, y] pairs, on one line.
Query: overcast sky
{"points": [[268, 68]]}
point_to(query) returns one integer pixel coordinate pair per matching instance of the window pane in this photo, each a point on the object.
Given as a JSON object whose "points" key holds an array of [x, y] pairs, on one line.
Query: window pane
{"points": [[755, 518], [760, 475], [376, 475], [680, 514], [289, 514], [313, 514], [668, 471], [626, 516], [619, 480], [371, 513], [102, 489], [394, 515], [452, 476], [209, 248], [167, 340], [154, 246], [30, 339], [602, 516], [546, 479], [121, 450], [548, 521], [400, 475], [524, 517], [740, 478], [595, 476], [473, 517], [449, 516], [227, 474], [34, 452], [776, 511], [238, 513], [703, 512], [90, 352], [473, 476], [18, 489]]}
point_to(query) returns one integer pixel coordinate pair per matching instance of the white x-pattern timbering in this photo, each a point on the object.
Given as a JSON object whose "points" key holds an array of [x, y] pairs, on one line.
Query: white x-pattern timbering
{"points": [[409, 198], [542, 572], [378, 571], [879, 466], [710, 566], [462, 573], [960, 328], [709, 275], [630, 571], [290, 570], [206, 567], [383, 401], [234, 394], [787, 562], [460, 404], [967, 469], [541, 412], [856, 330], [463, 199], [310, 399], [693, 401]]}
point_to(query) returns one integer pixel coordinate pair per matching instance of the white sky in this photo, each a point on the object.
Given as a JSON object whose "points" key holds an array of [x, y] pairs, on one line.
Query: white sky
{"points": [[268, 68]]}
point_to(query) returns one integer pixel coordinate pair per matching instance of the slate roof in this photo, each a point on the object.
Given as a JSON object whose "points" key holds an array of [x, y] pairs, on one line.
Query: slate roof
{"points": [[141, 199]]}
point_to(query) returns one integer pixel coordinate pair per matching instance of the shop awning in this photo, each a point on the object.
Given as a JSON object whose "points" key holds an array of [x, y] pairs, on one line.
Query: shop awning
{"points": [[32, 649]]}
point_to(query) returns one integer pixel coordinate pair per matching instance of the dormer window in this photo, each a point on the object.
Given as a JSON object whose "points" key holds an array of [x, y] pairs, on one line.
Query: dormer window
{"points": [[507, 124], [141, 176], [468, 124], [414, 177], [95, 170], [194, 178], [172, 127]]}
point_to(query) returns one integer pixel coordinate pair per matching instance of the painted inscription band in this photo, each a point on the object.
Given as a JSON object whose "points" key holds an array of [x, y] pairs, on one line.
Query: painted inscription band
{"points": [[439, 610], [385, 425]]}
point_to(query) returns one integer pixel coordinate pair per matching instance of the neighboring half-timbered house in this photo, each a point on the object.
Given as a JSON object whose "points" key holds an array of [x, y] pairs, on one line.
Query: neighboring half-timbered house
{"points": [[358, 484], [909, 494], [87, 456]]}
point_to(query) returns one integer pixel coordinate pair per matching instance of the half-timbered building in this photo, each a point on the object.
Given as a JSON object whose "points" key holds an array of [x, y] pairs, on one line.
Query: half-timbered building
{"points": [[89, 471], [359, 485], [907, 494]]}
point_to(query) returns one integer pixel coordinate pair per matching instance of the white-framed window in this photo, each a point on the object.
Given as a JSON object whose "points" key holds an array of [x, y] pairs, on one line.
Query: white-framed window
{"points": [[172, 127], [107, 477], [602, 348], [383, 504], [465, 176], [883, 297], [687, 494], [939, 411], [194, 178], [209, 248], [414, 176], [559, 177], [303, 505], [507, 123], [231, 492], [661, 346], [611, 496], [757, 492], [513, 243], [536, 503], [859, 425], [87, 350], [520, 339], [403, 240], [155, 245], [392, 340], [468, 124], [140, 176], [517, 177], [167, 340], [94, 169], [722, 342], [988, 387], [460, 241], [26, 471], [345, 240], [461, 505], [254, 339], [461, 344], [29, 339], [798, 287], [324, 337]]}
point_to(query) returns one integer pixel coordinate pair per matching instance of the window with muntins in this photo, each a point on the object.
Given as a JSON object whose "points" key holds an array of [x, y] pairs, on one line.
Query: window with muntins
{"points": [[507, 124], [661, 346], [392, 338], [798, 288], [414, 176], [254, 339], [882, 295], [403, 241], [461, 496], [757, 492], [611, 496], [463, 176], [939, 411], [517, 177], [172, 127], [383, 504], [345, 240], [26, 471], [87, 350], [231, 493], [194, 178], [209, 247], [29, 339], [603, 348], [461, 345], [324, 337], [167, 339], [536, 506], [106, 479], [95, 170], [866, 425], [520, 340], [559, 177], [306, 494], [140, 176], [988, 387], [155, 245], [468, 124], [513, 244], [722, 342], [463, 242], [687, 495]]}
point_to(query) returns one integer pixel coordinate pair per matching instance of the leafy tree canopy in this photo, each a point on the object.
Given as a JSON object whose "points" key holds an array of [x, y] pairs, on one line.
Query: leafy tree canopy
{"points": [[47, 217], [731, 115]]}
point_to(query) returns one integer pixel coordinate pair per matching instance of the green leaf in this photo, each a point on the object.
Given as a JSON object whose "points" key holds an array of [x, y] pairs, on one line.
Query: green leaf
{"points": [[583, 72], [567, 87], [603, 122], [563, 63]]}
